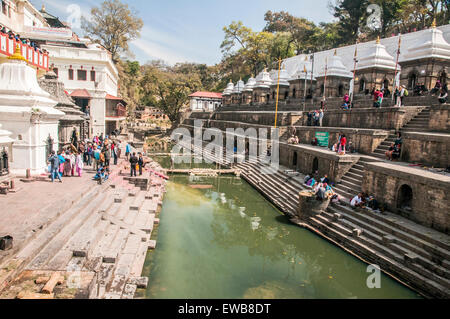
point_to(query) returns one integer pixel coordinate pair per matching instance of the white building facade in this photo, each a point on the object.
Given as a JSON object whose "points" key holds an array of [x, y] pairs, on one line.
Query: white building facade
{"points": [[205, 101]]}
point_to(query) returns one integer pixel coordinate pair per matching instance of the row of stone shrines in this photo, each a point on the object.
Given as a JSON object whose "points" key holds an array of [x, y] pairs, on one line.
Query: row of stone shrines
{"points": [[425, 62]]}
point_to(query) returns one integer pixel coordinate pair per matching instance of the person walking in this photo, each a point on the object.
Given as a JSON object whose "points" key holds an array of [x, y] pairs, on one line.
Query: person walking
{"points": [[133, 162], [54, 167], [115, 152]]}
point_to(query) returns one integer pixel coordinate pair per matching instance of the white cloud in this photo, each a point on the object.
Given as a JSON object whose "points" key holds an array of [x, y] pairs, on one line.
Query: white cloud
{"points": [[156, 51]]}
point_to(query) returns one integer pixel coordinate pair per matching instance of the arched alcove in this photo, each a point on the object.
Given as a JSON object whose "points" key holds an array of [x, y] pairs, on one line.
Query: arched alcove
{"points": [[341, 90], [362, 85], [405, 198], [295, 160], [412, 80], [315, 166]]}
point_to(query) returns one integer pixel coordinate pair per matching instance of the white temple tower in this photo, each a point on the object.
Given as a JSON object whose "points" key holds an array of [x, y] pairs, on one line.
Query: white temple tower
{"points": [[28, 112]]}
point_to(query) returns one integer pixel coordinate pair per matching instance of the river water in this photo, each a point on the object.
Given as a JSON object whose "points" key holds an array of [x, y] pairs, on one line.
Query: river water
{"points": [[223, 240]]}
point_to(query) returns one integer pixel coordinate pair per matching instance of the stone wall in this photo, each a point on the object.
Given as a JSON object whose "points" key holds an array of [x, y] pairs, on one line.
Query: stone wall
{"points": [[261, 118], [307, 156], [431, 149], [370, 118], [430, 200], [364, 140], [201, 115], [439, 118]]}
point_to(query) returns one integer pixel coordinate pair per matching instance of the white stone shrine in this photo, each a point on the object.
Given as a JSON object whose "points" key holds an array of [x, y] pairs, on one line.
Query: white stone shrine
{"points": [[28, 112]]}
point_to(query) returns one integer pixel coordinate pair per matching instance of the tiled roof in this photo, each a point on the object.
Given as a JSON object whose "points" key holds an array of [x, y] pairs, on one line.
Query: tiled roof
{"points": [[211, 95], [83, 93]]}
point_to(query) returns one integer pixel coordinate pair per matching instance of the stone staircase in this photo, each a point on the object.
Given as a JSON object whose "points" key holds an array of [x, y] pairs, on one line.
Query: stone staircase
{"points": [[418, 256], [106, 233], [351, 183], [418, 124]]}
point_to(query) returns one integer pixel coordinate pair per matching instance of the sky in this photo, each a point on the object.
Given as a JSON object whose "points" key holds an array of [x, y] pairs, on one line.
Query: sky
{"points": [[190, 30]]}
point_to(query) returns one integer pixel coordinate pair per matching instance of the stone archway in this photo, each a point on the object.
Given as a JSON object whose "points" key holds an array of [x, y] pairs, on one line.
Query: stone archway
{"points": [[362, 85], [341, 90], [295, 160], [405, 198], [412, 80], [294, 93]]}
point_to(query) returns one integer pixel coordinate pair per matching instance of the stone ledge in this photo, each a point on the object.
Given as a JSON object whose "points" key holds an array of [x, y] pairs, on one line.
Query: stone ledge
{"points": [[366, 131], [427, 136], [323, 153], [410, 173]]}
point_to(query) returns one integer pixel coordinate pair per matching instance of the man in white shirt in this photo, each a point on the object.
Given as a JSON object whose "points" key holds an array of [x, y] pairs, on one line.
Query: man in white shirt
{"points": [[357, 201]]}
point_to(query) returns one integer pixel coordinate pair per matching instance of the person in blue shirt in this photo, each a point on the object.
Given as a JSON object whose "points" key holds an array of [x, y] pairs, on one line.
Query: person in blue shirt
{"points": [[54, 166], [128, 150]]}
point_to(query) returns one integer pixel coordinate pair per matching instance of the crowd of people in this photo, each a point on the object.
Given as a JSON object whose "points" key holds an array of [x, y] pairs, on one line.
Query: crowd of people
{"points": [[97, 153], [12, 35], [315, 118]]}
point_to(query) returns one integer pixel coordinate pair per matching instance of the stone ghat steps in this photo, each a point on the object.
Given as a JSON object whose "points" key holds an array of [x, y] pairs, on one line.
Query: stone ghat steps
{"points": [[399, 241], [351, 183], [107, 232], [370, 252], [284, 197], [392, 257], [433, 241], [420, 123]]}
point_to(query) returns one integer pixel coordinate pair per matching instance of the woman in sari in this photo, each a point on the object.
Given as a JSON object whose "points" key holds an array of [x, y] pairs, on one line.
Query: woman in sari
{"points": [[79, 165]]}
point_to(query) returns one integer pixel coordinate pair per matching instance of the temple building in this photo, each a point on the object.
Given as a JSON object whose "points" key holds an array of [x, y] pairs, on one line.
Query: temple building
{"points": [[283, 84], [28, 112], [376, 69], [86, 68], [227, 93], [334, 79], [205, 101], [427, 60], [302, 79], [247, 92], [74, 118], [236, 95], [261, 92]]}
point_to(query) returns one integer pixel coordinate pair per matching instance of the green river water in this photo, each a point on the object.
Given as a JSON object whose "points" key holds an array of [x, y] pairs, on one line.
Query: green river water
{"points": [[229, 242]]}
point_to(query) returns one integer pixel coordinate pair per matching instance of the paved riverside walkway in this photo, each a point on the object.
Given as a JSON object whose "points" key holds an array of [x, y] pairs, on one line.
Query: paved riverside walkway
{"points": [[36, 204]]}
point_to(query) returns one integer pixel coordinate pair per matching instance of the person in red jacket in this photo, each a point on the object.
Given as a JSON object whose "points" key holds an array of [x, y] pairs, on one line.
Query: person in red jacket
{"points": [[342, 145]]}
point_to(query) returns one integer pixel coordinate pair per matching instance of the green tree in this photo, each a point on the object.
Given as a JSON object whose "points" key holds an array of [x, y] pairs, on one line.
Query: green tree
{"points": [[351, 15], [167, 89], [113, 25]]}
